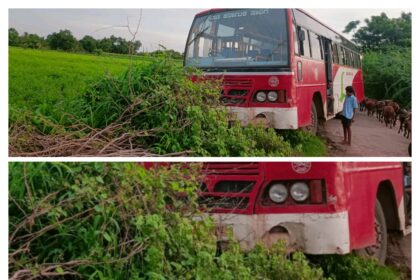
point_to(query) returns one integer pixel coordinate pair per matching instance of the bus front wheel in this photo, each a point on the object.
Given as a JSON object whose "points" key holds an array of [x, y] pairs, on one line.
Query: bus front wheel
{"points": [[378, 250]]}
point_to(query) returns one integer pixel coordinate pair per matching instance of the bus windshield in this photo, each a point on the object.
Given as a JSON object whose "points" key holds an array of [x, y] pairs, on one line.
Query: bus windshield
{"points": [[238, 38]]}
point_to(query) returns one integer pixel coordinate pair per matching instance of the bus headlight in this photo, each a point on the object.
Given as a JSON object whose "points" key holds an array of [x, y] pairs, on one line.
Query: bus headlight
{"points": [[272, 96], [299, 191], [261, 96], [278, 193]]}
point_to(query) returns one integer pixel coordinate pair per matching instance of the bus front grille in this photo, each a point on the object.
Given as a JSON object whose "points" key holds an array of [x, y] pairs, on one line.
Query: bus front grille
{"points": [[234, 168], [224, 202]]}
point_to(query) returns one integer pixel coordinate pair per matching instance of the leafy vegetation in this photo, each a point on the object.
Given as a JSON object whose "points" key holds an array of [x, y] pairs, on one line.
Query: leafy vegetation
{"points": [[353, 267], [388, 75], [123, 221]]}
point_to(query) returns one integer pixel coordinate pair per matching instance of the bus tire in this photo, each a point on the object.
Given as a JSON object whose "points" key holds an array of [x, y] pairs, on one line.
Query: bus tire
{"points": [[313, 127], [378, 251]]}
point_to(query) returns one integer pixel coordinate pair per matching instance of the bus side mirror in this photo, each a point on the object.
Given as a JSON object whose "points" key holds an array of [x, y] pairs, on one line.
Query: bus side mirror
{"points": [[302, 35]]}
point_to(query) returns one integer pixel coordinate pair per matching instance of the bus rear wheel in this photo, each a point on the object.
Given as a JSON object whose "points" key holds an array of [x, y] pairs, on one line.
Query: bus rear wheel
{"points": [[378, 251], [313, 127]]}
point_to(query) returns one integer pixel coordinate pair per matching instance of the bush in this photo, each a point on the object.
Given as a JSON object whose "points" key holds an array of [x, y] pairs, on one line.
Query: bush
{"points": [[305, 143], [153, 108], [98, 51], [353, 267], [121, 221], [176, 113]]}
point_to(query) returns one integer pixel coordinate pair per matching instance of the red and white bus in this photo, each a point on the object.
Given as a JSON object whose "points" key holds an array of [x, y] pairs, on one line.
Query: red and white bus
{"points": [[318, 207], [277, 65]]}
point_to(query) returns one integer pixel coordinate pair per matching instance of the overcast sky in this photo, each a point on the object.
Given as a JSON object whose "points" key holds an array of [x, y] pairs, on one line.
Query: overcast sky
{"points": [[168, 27]]}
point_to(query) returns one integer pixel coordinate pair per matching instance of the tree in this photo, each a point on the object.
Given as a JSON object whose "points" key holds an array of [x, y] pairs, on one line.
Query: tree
{"points": [[118, 45], [105, 44], [171, 53], [134, 46], [88, 43], [387, 74], [386, 45], [352, 25], [63, 40], [381, 32], [13, 37], [31, 41]]}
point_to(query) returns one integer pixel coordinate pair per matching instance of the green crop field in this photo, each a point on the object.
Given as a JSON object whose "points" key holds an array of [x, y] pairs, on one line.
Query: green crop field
{"points": [[49, 80]]}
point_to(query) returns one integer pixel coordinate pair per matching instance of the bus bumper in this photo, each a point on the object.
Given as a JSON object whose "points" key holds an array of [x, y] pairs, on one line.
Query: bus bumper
{"points": [[323, 233], [279, 118]]}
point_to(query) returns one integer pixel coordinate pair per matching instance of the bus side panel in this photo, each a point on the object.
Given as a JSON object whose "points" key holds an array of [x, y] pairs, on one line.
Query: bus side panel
{"points": [[361, 181], [313, 80], [358, 86]]}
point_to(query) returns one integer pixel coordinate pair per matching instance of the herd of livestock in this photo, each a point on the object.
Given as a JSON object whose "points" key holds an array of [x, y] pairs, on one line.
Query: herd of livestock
{"points": [[388, 112]]}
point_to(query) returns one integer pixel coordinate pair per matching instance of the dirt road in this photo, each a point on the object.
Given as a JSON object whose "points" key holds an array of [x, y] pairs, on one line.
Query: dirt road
{"points": [[370, 138]]}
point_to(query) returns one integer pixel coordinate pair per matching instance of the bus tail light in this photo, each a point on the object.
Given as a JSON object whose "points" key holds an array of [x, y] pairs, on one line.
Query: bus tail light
{"points": [[316, 190], [282, 98]]}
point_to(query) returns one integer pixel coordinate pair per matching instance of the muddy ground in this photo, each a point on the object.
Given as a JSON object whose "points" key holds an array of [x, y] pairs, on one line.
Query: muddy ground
{"points": [[399, 253]]}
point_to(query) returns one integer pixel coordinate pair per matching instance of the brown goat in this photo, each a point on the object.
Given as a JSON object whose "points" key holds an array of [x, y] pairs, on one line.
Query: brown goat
{"points": [[389, 116], [402, 116], [370, 106], [407, 126], [380, 110], [394, 105]]}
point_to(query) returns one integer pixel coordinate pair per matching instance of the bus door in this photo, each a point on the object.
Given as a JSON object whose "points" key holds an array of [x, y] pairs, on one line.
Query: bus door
{"points": [[326, 44]]}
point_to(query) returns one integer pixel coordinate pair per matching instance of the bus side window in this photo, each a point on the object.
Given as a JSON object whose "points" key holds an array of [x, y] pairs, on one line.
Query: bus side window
{"points": [[357, 59], [305, 49], [335, 54], [348, 57], [343, 56], [315, 46], [296, 39]]}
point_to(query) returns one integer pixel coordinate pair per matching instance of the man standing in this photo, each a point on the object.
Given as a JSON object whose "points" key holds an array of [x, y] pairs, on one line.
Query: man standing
{"points": [[347, 115]]}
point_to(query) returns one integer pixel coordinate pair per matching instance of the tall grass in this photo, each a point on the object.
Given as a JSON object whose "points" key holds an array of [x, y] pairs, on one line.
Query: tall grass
{"points": [[50, 81]]}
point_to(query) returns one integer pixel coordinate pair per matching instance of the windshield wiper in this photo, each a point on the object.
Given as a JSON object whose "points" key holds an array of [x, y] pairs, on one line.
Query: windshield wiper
{"points": [[198, 35]]}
